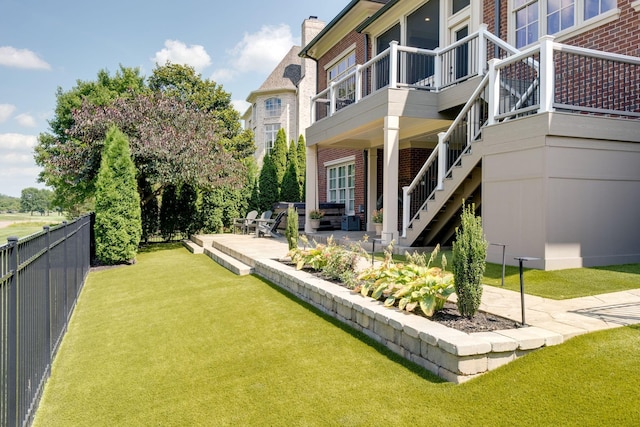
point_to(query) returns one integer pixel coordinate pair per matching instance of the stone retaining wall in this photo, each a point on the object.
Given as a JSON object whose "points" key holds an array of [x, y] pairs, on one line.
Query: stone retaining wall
{"points": [[451, 354]]}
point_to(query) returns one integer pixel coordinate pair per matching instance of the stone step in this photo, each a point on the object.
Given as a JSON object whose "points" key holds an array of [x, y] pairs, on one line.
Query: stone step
{"points": [[193, 247], [228, 262]]}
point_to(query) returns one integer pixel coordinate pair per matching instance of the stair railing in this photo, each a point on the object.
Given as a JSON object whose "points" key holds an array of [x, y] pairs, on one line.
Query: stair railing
{"points": [[452, 145]]}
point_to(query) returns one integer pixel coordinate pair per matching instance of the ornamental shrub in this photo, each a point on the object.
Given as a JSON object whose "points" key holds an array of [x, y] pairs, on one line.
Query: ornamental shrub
{"points": [[292, 227], [169, 214], [469, 261], [268, 184], [118, 224]]}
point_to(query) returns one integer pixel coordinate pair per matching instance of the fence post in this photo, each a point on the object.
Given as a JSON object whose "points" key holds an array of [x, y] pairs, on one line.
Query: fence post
{"points": [[406, 206], [482, 49], [442, 160], [12, 334], [47, 287], [65, 275], [494, 91]]}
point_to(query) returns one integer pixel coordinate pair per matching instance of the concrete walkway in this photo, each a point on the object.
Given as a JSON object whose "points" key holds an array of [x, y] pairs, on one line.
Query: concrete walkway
{"points": [[566, 317]]}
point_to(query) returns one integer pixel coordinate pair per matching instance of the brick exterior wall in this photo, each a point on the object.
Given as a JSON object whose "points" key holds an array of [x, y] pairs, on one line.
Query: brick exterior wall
{"points": [[329, 154], [338, 49]]}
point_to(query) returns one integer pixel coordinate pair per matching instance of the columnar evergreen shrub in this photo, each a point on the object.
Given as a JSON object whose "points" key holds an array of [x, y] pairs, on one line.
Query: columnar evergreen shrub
{"points": [[212, 211], [292, 227], [301, 148], [290, 188], [118, 224], [279, 155], [469, 261], [269, 188]]}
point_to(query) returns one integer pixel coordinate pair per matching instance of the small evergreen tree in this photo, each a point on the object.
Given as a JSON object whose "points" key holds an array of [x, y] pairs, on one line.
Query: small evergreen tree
{"points": [[301, 148], [268, 184], [279, 155], [290, 188], [169, 213], [149, 211], [291, 231], [469, 261], [254, 200], [118, 225], [212, 212]]}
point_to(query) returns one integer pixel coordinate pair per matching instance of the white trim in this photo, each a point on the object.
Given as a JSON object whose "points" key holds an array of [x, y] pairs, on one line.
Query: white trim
{"points": [[340, 57], [580, 25], [336, 162], [636, 5]]}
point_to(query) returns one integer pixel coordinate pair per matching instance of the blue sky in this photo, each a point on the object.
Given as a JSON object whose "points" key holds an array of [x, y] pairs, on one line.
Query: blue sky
{"points": [[49, 44]]}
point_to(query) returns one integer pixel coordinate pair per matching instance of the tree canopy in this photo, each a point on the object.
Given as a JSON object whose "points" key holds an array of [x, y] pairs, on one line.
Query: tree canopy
{"points": [[181, 129]]}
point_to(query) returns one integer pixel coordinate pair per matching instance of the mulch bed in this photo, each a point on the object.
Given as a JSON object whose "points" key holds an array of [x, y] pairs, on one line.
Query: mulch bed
{"points": [[449, 315]]}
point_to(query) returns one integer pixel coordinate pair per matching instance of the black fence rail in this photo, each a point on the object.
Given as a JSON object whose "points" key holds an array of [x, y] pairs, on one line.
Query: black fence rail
{"points": [[40, 279]]}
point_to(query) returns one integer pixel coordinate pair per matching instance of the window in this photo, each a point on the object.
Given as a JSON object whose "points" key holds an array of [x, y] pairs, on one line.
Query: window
{"points": [[270, 134], [560, 15], [342, 67], [273, 107], [534, 18], [341, 185], [458, 5], [526, 23], [596, 7]]}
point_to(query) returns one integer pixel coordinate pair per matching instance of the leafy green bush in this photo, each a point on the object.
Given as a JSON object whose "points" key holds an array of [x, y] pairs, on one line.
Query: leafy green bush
{"points": [[409, 284], [469, 261], [333, 261]]}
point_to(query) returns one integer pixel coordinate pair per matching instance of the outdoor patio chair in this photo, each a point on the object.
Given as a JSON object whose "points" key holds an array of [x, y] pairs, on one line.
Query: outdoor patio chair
{"points": [[253, 224], [243, 223], [270, 227]]}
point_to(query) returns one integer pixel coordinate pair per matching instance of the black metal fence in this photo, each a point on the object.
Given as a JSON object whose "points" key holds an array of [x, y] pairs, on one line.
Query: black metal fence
{"points": [[40, 279]]}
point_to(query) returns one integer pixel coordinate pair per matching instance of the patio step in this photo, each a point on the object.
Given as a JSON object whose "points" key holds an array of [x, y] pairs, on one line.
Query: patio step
{"points": [[193, 247], [228, 262]]}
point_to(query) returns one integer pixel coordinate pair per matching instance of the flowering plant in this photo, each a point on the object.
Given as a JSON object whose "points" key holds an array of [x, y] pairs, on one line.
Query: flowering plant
{"points": [[377, 216], [316, 214]]}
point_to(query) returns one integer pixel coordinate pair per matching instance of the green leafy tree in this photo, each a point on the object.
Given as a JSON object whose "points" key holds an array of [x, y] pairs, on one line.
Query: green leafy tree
{"points": [[291, 231], [8, 203], [150, 211], [169, 213], [118, 220], [469, 261], [301, 148], [35, 200], [279, 155], [70, 191], [269, 189]]}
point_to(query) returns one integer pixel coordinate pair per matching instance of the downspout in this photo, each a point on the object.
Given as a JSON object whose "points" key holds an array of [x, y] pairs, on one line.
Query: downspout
{"points": [[496, 27]]}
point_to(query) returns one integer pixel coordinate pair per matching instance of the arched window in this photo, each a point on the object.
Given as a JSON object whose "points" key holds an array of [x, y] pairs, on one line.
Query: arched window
{"points": [[273, 107]]}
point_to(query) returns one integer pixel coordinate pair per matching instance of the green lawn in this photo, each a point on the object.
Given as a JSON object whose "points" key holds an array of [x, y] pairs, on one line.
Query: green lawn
{"points": [[176, 340], [559, 284], [26, 224]]}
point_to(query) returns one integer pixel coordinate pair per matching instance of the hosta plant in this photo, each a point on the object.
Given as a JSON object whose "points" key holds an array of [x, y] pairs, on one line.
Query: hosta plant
{"points": [[409, 285]]}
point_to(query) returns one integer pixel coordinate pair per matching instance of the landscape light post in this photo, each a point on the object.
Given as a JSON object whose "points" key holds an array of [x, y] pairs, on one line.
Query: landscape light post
{"points": [[520, 261]]}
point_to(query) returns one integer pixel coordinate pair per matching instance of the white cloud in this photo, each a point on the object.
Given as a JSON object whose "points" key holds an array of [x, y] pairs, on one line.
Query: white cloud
{"points": [[21, 58], [177, 52], [13, 158], [5, 111], [26, 120], [240, 105], [263, 50], [17, 141]]}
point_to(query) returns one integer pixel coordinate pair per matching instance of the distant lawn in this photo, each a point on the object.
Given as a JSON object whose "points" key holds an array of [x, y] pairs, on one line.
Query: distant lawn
{"points": [[26, 228], [177, 340], [558, 284]]}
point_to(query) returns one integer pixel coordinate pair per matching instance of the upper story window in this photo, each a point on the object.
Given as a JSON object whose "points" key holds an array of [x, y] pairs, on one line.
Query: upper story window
{"points": [[270, 134], [342, 67], [273, 107], [534, 18], [420, 28], [458, 5]]}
